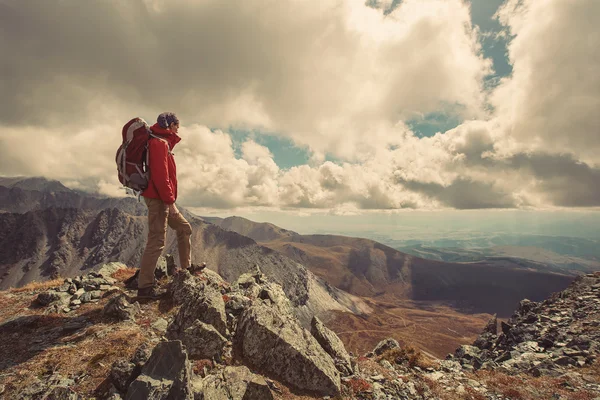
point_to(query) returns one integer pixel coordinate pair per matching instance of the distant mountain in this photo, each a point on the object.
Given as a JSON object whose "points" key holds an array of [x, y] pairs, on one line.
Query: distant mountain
{"points": [[19, 195], [574, 256], [367, 268], [259, 231], [33, 183], [47, 229]]}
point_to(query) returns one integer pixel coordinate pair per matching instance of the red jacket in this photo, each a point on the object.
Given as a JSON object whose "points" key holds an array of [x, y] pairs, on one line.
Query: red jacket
{"points": [[163, 172]]}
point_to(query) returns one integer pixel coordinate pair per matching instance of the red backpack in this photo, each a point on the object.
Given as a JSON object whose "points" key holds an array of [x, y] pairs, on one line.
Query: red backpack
{"points": [[132, 156]]}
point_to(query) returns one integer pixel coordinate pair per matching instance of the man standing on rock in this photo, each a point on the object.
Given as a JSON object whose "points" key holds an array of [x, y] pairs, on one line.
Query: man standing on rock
{"points": [[160, 198]]}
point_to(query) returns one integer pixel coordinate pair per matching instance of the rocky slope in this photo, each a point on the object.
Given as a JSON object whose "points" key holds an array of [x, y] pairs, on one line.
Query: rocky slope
{"points": [[211, 339], [546, 338], [259, 231], [47, 243], [367, 268]]}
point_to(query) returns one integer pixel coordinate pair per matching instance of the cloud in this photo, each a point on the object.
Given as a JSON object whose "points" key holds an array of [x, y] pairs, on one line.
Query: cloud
{"points": [[551, 101], [323, 74], [340, 78]]}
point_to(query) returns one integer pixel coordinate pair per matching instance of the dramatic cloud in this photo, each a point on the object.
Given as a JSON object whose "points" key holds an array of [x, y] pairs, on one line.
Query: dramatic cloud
{"points": [[321, 73], [551, 101], [342, 79]]}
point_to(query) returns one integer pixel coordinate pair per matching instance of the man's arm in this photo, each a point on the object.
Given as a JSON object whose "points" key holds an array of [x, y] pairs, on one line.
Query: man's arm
{"points": [[159, 170]]}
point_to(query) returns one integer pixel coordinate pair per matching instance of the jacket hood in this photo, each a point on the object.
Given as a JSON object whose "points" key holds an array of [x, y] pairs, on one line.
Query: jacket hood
{"points": [[166, 134]]}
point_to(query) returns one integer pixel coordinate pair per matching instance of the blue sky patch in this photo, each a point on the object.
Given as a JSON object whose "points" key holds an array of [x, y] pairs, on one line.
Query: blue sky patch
{"points": [[285, 153]]}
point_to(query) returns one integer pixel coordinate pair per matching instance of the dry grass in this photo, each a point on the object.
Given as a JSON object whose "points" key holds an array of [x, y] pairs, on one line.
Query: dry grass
{"points": [[407, 355], [359, 386], [38, 286], [525, 387], [87, 359], [123, 274]]}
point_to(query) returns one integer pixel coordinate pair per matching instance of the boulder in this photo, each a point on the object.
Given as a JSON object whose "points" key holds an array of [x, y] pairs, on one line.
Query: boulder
{"points": [[120, 308], [385, 345], [120, 374], [166, 375], [49, 297], [235, 383], [202, 341], [492, 326], [186, 286], [207, 307], [110, 268], [277, 344], [332, 344]]}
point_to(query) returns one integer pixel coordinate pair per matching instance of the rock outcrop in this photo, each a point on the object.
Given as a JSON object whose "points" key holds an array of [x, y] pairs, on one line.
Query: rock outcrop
{"points": [[545, 338], [166, 375], [332, 344]]}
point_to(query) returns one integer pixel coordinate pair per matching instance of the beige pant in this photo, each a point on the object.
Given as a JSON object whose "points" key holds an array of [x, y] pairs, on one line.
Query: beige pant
{"points": [[158, 218]]}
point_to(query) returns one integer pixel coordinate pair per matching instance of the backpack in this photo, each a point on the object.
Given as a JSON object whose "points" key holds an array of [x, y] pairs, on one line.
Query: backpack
{"points": [[132, 155]]}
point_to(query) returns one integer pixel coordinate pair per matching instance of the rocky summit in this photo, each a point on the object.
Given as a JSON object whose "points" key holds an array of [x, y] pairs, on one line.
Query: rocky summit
{"points": [[550, 338], [89, 337]]}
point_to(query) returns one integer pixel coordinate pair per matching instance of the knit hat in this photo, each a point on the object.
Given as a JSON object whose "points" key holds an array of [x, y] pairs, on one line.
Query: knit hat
{"points": [[166, 119]]}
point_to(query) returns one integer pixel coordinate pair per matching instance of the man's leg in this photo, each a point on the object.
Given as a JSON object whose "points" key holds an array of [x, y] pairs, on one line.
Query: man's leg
{"points": [[157, 233], [184, 233]]}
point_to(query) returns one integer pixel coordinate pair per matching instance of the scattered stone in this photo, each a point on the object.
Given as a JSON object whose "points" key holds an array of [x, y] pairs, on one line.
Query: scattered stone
{"points": [[385, 345], [166, 375], [160, 325], [121, 374], [546, 338], [110, 268], [332, 344], [46, 298], [86, 297], [120, 308], [277, 344], [207, 306], [235, 383], [203, 341]]}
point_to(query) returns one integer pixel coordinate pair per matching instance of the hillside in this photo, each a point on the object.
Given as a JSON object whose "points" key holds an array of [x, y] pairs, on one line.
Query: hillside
{"points": [[367, 268], [211, 339]]}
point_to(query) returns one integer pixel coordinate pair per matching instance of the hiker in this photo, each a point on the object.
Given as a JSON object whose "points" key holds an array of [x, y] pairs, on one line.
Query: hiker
{"points": [[160, 198]]}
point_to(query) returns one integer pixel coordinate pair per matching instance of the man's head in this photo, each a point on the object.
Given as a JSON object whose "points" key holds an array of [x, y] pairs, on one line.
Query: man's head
{"points": [[168, 120]]}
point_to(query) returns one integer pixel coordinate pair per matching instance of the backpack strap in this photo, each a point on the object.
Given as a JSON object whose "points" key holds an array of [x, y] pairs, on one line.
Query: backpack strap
{"points": [[163, 139]]}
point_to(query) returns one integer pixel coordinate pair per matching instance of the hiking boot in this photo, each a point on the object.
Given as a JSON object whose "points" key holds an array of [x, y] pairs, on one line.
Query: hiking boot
{"points": [[151, 292], [197, 267]]}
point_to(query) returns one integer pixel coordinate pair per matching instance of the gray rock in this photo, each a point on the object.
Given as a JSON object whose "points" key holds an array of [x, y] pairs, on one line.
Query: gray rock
{"points": [[86, 297], [110, 268], [185, 286], [61, 393], [160, 325], [332, 344], [467, 352], [276, 343], [237, 303], [203, 341], [96, 294], [235, 383], [166, 375], [385, 345], [142, 355], [64, 287], [121, 374], [120, 308], [46, 298], [207, 307]]}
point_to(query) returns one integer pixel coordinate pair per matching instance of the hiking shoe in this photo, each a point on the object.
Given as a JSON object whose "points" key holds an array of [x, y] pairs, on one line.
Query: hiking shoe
{"points": [[151, 292], [197, 267]]}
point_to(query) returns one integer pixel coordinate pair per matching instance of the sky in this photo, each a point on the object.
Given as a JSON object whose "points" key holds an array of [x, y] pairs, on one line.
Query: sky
{"points": [[304, 108]]}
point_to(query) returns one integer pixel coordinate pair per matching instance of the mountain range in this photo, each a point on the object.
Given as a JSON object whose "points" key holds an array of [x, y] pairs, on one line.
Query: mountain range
{"points": [[367, 289]]}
